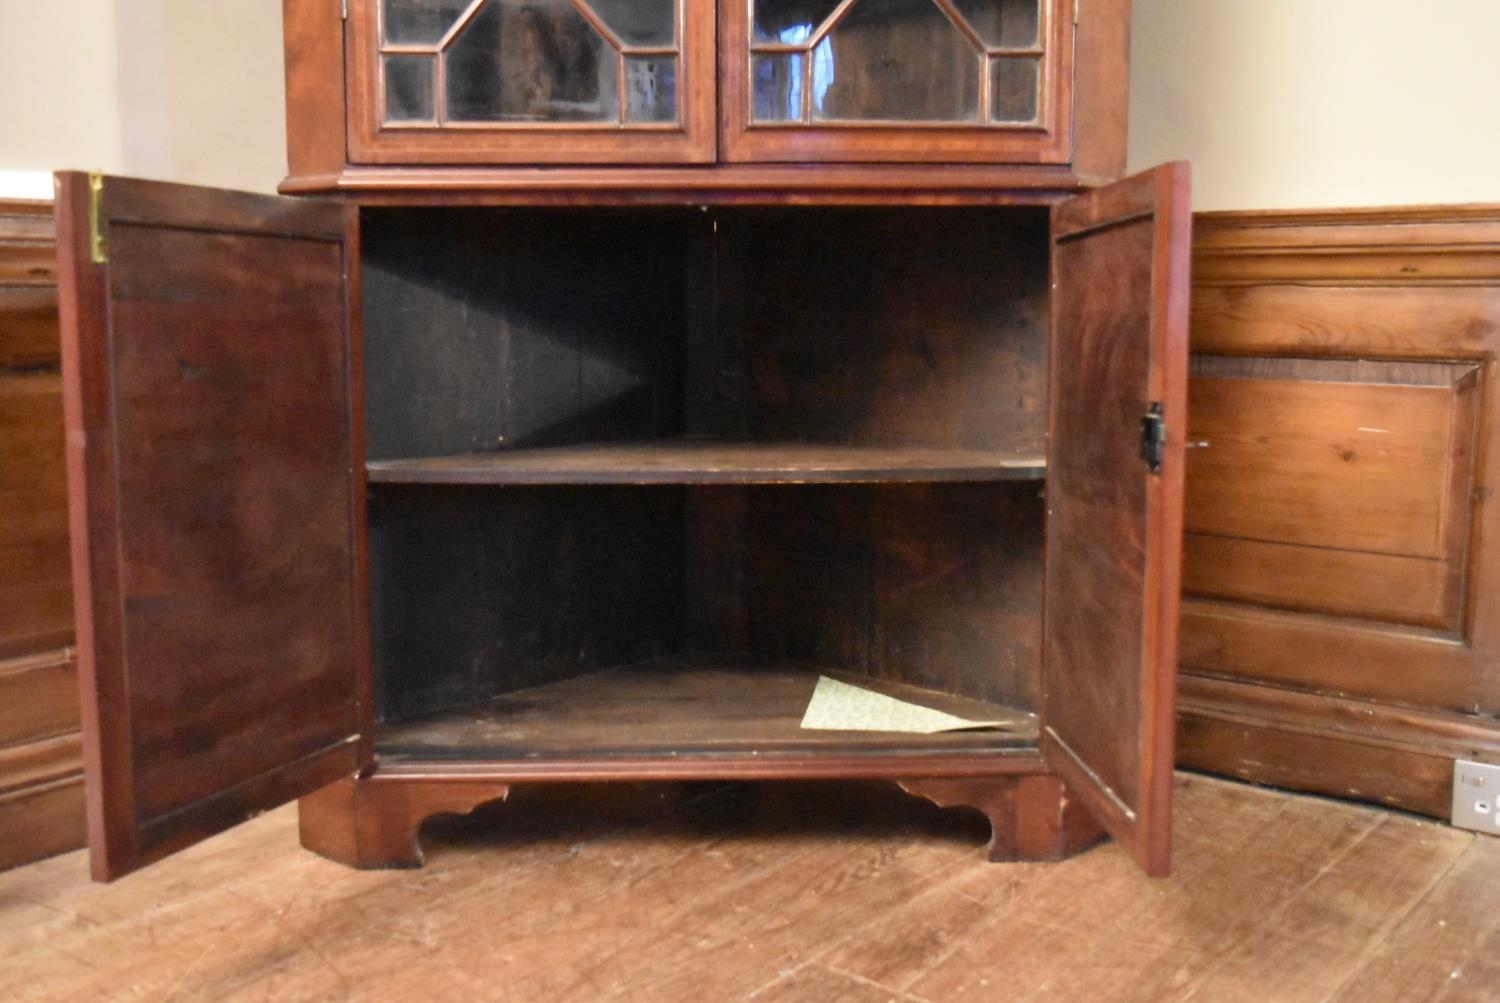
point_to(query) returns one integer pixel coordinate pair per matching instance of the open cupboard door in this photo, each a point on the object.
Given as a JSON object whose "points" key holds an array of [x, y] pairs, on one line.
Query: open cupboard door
{"points": [[216, 481], [1117, 388]]}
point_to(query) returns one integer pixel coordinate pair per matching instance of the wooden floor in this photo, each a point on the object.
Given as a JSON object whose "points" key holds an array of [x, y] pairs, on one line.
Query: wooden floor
{"points": [[780, 893]]}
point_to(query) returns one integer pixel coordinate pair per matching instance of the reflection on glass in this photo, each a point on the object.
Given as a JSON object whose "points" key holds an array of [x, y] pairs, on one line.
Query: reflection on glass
{"points": [[1014, 89], [651, 89], [776, 83], [531, 60], [639, 22], [789, 21], [409, 93], [1004, 24], [419, 22], [895, 60]]}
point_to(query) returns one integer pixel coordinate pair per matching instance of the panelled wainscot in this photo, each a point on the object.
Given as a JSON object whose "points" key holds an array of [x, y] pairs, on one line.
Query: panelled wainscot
{"points": [[41, 758], [506, 474], [1340, 545]]}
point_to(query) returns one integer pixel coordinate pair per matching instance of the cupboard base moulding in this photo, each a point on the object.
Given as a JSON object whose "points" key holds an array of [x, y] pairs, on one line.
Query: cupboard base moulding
{"points": [[373, 822]]}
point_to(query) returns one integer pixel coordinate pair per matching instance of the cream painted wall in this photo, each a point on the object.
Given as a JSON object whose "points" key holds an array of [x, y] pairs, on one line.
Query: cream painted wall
{"points": [[1278, 103], [202, 92], [183, 90], [1312, 103], [57, 77]]}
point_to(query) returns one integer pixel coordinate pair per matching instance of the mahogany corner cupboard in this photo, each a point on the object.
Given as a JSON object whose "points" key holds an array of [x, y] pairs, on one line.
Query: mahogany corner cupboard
{"points": [[488, 475], [388, 98]]}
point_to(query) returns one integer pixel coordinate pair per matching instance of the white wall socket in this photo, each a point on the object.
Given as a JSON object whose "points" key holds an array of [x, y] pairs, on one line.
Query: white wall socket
{"points": [[1476, 797]]}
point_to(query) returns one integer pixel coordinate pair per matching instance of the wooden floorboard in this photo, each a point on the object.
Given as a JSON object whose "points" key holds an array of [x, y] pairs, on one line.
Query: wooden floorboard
{"points": [[779, 894]]}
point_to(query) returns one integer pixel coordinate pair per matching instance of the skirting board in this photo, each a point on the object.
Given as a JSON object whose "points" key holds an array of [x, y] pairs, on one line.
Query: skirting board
{"points": [[1346, 748]]}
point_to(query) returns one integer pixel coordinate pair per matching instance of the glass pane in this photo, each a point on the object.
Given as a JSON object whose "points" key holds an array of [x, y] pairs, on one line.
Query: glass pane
{"points": [[531, 61], [419, 22], [651, 89], [409, 89], [1004, 24], [639, 22], [790, 21], [895, 60], [1014, 90], [777, 83]]}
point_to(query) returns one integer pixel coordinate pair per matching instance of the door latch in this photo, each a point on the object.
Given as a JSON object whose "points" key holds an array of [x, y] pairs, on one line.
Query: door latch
{"points": [[1153, 437]]}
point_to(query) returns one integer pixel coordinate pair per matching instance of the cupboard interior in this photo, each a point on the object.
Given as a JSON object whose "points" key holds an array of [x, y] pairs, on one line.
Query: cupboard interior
{"points": [[639, 476]]}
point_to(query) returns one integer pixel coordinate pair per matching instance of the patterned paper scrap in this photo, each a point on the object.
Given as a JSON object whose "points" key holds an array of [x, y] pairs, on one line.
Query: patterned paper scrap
{"points": [[838, 706]]}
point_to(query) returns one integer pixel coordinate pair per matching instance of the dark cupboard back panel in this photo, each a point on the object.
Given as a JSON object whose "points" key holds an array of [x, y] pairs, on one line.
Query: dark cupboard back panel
{"points": [[912, 326], [503, 328], [936, 585], [491, 329], [478, 591]]}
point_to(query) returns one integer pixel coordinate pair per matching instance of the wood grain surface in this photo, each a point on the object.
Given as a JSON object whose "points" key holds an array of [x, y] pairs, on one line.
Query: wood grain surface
{"points": [[901, 326], [36, 602], [41, 757], [689, 461], [725, 184], [41, 762], [1341, 536], [479, 335], [216, 495], [691, 139], [790, 893], [38, 696], [1333, 486], [315, 113], [1114, 524], [1048, 141], [679, 707]]}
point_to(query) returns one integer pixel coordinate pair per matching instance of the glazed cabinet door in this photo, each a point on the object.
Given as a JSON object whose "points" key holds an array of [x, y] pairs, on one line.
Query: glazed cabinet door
{"points": [[897, 80], [530, 81], [216, 501], [1117, 411]]}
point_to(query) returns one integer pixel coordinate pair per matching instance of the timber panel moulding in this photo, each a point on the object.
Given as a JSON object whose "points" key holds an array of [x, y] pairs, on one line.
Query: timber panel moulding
{"points": [[1339, 537]]}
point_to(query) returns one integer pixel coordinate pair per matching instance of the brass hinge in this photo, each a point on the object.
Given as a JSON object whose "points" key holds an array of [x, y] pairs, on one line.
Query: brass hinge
{"points": [[98, 253], [1076, 5], [344, 9]]}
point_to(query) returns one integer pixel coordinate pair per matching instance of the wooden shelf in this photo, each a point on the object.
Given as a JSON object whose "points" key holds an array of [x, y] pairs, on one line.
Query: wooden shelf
{"points": [[672, 708], [701, 461]]}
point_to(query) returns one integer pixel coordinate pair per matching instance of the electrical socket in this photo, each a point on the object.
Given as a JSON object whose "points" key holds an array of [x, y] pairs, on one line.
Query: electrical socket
{"points": [[1476, 797]]}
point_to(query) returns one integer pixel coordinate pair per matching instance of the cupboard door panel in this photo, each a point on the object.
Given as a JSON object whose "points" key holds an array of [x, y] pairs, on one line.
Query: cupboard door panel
{"points": [[534, 82], [216, 500], [1114, 525], [972, 81]]}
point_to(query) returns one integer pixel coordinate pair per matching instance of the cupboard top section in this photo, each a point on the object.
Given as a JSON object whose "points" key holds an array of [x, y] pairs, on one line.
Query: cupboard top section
{"points": [[705, 97]]}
